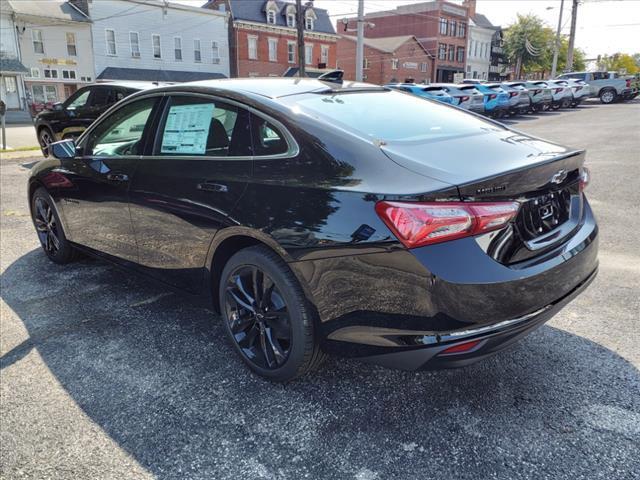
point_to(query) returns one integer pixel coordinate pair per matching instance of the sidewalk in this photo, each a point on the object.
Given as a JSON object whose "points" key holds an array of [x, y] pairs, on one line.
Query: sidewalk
{"points": [[20, 136]]}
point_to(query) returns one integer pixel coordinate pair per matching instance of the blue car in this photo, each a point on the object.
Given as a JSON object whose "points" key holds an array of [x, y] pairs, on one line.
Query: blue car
{"points": [[496, 100], [426, 91]]}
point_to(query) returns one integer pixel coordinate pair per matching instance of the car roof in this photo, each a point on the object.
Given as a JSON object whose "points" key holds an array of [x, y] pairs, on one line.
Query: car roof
{"points": [[272, 87], [134, 85]]}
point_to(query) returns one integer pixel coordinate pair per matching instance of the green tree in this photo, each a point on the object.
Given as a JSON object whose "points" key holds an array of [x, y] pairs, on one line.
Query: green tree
{"points": [[619, 62], [529, 43]]}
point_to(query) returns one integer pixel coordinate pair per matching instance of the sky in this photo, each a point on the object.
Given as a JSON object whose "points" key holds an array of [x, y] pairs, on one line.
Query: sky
{"points": [[604, 26]]}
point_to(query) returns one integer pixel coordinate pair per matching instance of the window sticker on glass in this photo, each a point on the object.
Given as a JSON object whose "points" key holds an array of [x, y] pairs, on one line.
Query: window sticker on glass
{"points": [[187, 129]]}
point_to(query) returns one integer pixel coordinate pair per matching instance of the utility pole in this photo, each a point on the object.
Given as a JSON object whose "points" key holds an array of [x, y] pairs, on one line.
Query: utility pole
{"points": [[554, 66], [572, 34], [300, 28], [360, 42]]}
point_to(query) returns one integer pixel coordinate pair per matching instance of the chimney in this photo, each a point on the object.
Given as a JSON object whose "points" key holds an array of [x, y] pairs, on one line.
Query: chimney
{"points": [[82, 5], [471, 6]]}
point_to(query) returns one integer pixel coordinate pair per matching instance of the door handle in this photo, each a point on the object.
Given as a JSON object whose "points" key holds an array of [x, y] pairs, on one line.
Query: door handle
{"points": [[212, 187], [118, 177]]}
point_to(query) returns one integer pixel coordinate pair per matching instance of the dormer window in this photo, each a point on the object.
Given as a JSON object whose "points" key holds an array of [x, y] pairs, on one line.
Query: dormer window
{"points": [[271, 17], [291, 20], [308, 23]]}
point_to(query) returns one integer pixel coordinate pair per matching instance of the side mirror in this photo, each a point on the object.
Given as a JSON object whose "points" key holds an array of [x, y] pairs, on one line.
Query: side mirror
{"points": [[57, 106], [63, 149]]}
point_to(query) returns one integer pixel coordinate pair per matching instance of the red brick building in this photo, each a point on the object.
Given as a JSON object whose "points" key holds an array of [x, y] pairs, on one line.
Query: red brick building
{"points": [[263, 37], [441, 27], [386, 60]]}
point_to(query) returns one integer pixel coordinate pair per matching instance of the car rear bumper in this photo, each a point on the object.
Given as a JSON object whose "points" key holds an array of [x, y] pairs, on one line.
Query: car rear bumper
{"points": [[402, 308]]}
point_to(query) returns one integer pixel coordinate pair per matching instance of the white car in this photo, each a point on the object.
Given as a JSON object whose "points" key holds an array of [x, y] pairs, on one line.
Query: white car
{"points": [[561, 92], [581, 90]]}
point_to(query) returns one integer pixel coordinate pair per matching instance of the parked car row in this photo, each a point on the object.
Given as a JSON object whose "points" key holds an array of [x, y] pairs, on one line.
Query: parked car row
{"points": [[521, 97]]}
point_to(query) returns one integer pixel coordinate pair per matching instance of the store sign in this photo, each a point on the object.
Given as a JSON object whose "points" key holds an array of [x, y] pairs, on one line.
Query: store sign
{"points": [[458, 77], [410, 65], [58, 61]]}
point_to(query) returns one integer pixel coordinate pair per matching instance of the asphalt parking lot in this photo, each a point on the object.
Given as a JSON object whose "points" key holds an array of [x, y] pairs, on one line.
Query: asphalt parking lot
{"points": [[104, 375]]}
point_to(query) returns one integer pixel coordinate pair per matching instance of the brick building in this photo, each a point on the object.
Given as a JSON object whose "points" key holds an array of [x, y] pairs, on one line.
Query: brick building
{"points": [[263, 37], [441, 27], [386, 60]]}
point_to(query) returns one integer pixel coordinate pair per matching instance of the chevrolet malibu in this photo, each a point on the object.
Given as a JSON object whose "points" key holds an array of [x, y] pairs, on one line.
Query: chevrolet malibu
{"points": [[320, 218]]}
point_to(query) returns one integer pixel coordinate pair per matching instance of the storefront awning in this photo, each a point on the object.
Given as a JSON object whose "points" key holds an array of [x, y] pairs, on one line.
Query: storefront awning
{"points": [[12, 66]]}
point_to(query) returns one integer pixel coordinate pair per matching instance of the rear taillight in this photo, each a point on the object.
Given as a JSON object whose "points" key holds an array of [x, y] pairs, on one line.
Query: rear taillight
{"points": [[463, 99], [578, 88], [461, 348], [419, 224], [536, 92], [558, 90], [512, 94], [492, 96], [585, 178]]}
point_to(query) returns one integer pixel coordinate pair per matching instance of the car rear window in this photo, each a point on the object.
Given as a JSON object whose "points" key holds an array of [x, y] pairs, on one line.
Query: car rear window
{"points": [[390, 116]]}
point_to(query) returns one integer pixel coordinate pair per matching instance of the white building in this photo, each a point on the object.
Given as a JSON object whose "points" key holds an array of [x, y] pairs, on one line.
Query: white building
{"points": [[155, 40], [481, 32], [12, 90], [55, 46]]}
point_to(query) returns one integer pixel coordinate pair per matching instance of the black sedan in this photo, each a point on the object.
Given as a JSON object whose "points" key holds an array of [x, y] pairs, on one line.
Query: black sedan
{"points": [[322, 218]]}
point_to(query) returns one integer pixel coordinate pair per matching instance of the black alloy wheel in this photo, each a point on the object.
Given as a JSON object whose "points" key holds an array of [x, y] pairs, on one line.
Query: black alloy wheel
{"points": [[267, 316], [46, 138], [258, 317], [50, 232]]}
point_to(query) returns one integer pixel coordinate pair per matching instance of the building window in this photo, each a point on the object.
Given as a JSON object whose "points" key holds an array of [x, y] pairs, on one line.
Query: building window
{"points": [[308, 54], [71, 44], [177, 48], [215, 53], [394, 64], [365, 63], [308, 23], [271, 17], [291, 20], [475, 48], [452, 28], [85, 79], [452, 53], [10, 84], [423, 67], [157, 49], [44, 93], [134, 41], [443, 26], [291, 52], [324, 54], [69, 74], [461, 54], [50, 73], [253, 47], [273, 49], [197, 53], [462, 29], [38, 44], [111, 42], [35, 72], [442, 51]]}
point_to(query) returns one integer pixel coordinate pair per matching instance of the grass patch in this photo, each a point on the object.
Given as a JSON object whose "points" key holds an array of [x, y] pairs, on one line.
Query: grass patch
{"points": [[19, 149]]}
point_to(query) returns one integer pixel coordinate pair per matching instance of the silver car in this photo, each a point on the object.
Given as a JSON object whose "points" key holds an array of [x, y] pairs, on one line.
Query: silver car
{"points": [[581, 90], [539, 94], [466, 97], [519, 101], [561, 92]]}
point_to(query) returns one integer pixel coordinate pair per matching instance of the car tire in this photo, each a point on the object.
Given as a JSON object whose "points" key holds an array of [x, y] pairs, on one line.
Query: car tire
{"points": [[49, 229], [566, 103], [45, 138], [274, 336], [607, 96]]}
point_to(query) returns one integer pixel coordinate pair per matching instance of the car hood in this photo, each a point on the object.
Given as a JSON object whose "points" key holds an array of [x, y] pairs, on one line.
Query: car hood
{"points": [[467, 160]]}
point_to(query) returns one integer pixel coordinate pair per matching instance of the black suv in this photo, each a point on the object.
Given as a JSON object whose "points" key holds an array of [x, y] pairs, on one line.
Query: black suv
{"points": [[70, 118]]}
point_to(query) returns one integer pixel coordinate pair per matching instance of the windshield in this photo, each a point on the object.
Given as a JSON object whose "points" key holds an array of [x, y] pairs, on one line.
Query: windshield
{"points": [[391, 116]]}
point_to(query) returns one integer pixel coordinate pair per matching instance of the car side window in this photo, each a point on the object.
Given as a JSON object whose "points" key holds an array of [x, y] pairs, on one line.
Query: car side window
{"points": [[102, 97], [267, 138], [121, 132], [79, 100], [198, 126]]}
